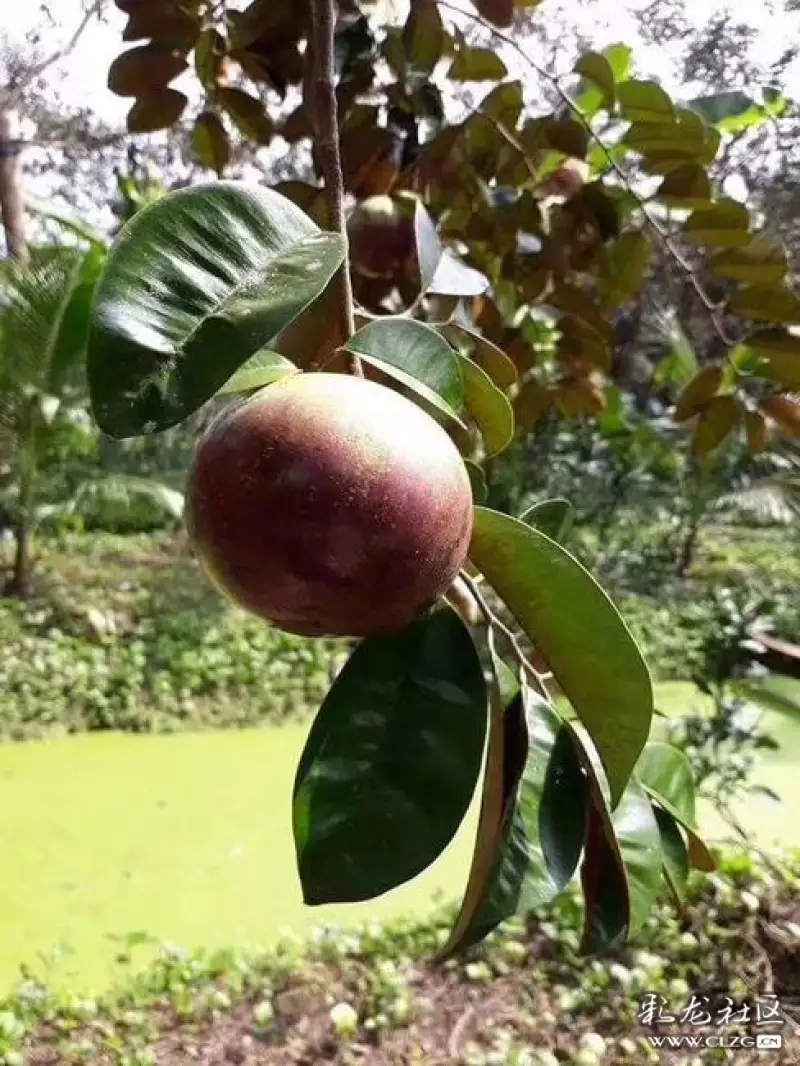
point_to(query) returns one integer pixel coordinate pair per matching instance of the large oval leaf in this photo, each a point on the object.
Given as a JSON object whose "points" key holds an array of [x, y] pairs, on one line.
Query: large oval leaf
{"points": [[194, 285], [578, 631], [391, 762], [544, 828], [488, 406], [416, 356]]}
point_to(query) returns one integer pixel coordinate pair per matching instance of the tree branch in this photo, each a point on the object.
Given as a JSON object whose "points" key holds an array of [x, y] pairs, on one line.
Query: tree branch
{"points": [[497, 626], [10, 97], [326, 124], [714, 310]]}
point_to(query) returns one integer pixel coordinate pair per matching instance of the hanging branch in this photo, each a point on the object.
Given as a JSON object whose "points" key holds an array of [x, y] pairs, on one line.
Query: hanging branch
{"points": [[10, 96], [497, 626], [713, 309], [324, 108]]}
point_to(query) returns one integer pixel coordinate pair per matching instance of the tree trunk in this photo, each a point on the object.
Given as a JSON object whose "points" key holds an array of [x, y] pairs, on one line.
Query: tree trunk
{"points": [[12, 207], [687, 550], [20, 581], [12, 212]]}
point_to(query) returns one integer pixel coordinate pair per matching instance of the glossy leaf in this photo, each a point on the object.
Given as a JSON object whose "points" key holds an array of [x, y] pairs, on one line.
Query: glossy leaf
{"points": [[667, 774], [211, 142], [498, 12], [717, 421], [622, 867], [761, 262], [725, 224], [262, 369], [477, 64], [596, 68], [496, 790], [391, 761], [454, 278], [698, 392], [545, 819], [551, 517], [416, 356], [785, 410], [674, 851], [686, 186], [756, 430], [143, 70], [156, 111], [427, 246], [684, 138], [194, 286], [248, 114], [765, 303], [531, 402], [596, 662], [488, 356], [644, 101], [778, 352], [423, 36], [477, 479], [488, 406], [624, 267]]}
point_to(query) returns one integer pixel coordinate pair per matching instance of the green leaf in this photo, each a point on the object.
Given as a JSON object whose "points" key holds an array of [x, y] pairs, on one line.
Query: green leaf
{"points": [[761, 262], [265, 367], [622, 867], [778, 355], [551, 517], [194, 286], [667, 774], [644, 101], [477, 479], [454, 278], [496, 790], [725, 224], [477, 64], [767, 303], [675, 852], [685, 187], [682, 138], [44, 316], [622, 270], [416, 356], [731, 112], [575, 626], [596, 68], [488, 406], [504, 103], [545, 819], [488, 356], [427, 246], [391, 761], [423, 36]]}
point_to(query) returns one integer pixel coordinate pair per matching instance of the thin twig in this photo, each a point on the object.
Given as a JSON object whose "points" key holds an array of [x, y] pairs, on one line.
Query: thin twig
{"points": [[10, 96], [499, 626], [454, 1042], [326, 124], [714, 310]]}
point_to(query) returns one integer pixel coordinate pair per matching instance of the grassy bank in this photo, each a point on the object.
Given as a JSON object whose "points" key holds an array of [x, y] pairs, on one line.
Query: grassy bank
{"points": [[189, 838]]}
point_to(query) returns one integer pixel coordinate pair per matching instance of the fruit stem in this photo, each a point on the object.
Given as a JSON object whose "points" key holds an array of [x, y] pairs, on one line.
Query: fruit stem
{"points": [[324, 109]]}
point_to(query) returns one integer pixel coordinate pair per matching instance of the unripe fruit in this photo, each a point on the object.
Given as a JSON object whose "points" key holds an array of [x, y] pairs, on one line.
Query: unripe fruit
{"points": [[329, 505], [382, 238]]}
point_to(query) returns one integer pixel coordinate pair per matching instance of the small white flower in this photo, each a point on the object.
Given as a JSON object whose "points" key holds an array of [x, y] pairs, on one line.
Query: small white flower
{"points": [[679, 989], [751, 902], [263, 1013], [345, 1020], [593, 1042], [621, 974]]}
